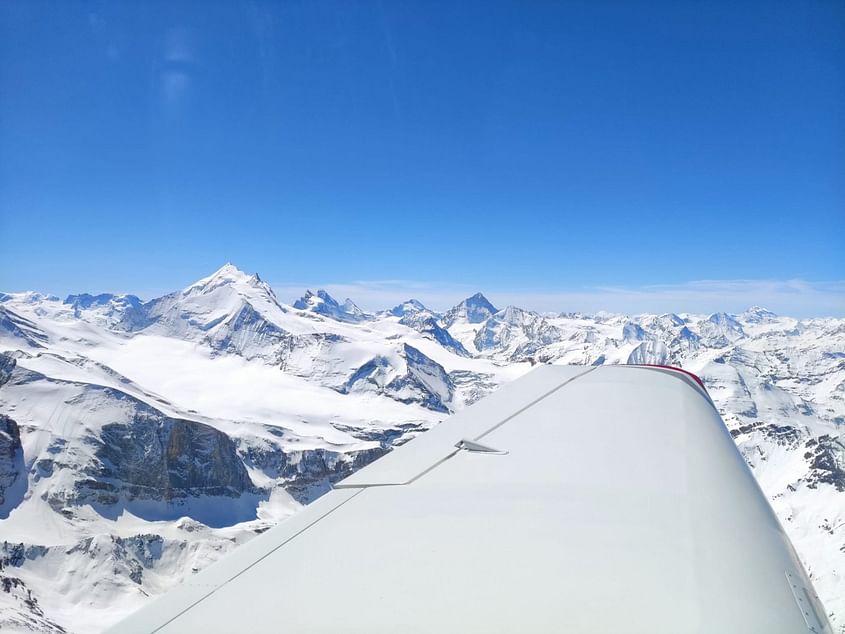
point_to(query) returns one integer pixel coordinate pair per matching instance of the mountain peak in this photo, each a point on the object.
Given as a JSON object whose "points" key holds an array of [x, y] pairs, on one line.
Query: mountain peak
{"points": [[324, 304], [352, 308], [723, 318], [721, 328], [758, 315], [310, 300], [474, 309], [226, 273], [407, 307], [228, 286], [324, 295], [231, 275]]}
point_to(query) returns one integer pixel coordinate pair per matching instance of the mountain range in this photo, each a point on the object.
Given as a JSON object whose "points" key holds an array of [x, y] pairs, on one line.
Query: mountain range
{"points": [[142, 440]]}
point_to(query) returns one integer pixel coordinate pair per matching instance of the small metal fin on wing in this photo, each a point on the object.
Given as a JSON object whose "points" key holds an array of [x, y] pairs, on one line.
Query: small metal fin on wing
{"points": [[477, 447]]}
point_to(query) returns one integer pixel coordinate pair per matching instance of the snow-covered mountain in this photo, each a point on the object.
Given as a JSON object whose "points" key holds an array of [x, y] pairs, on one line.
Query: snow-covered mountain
{"points": [[140, 441], [407, 307], [472, 310], [322, 303]]}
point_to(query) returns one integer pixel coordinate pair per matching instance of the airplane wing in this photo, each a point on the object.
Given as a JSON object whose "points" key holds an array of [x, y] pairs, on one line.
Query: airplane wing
{"points": [[586, 500]]}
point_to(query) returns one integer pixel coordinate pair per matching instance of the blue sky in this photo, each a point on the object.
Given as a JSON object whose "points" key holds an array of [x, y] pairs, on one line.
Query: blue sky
{"points": [[545, 152]]}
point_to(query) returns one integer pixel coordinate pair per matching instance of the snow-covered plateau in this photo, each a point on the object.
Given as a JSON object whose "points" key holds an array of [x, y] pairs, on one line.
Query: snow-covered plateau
{"points": [[140, 441]]}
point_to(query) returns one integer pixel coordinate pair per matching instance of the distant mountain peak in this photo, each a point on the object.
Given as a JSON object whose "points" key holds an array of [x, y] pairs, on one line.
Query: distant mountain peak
{"points": [[28, 297], [724, 319], [474, 309], [324, 295], [757, 315], [720, 329], [351, 307], [324, 304], [312, 299], [480, 300], [86, 300], [407, 307], [512, 313]]}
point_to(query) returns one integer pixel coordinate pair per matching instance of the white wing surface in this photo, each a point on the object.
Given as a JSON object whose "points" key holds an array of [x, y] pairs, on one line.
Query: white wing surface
{"points": [[586, 500]]}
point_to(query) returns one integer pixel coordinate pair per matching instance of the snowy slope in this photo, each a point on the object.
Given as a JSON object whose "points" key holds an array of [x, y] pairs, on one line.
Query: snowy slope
{"points": [[140, 441]]}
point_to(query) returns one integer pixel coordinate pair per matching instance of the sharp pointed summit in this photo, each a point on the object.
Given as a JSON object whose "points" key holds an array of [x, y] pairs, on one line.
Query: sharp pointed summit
{"points": [[474, 310], [228, 274], [229, 309]]}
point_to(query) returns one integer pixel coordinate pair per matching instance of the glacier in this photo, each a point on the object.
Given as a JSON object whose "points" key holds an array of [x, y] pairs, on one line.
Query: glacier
{"points": [[141, 441]]}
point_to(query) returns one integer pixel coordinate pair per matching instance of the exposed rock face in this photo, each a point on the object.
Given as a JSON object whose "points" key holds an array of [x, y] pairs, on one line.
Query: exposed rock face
{"points": [[11, 461], [425, 322], [123, 560], [310, 466], [827, 461], [521, 333], [783, 435], [633, 332], [20, 610], [311, 472], [324, 304], [248, 334], [7, 366], [371, 376], [160, 458], [425, 381], [321, 463], [21, 328], [131, 555]]}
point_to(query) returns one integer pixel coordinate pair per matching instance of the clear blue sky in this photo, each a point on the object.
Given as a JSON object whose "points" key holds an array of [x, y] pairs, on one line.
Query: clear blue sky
{"points": [[538, 146]]}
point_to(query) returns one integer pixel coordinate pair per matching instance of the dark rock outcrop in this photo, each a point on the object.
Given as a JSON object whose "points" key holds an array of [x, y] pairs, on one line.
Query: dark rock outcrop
{"points": [[785, 435], [12, 468], [7, 366], [425, 377], [310, 472], [161, 458], [826, 456]]}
